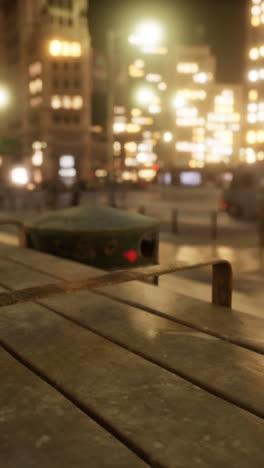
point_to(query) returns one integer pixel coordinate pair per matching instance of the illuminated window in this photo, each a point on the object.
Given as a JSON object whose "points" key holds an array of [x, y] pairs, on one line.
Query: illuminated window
{"points": [[251, 137], [55, 48], [119, 127], [67, 161], [253, 95], [66, 49], [187, 67], [77, 102], [56, 102], [139, 63], [131, 146], [252, 107], [117, 148], [153, 78], [35, 86], [36, 101], [136, 112], [260, 136], [66, 102], [37, 158], [76, 50], [201, 78], [253, 76], [162, 86], [35, 69], [133, 128], [254, 54], [135, 72], [255, 21], [256, 10]]}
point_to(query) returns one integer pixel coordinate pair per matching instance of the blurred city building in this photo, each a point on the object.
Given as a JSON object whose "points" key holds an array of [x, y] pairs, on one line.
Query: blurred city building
{"points": [[253, 144], [174, 115], [46, 66]]}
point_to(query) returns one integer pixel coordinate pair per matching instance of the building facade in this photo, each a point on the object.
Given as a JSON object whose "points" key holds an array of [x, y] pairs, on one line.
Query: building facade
{"points": [[45, 63], [253, 144]]}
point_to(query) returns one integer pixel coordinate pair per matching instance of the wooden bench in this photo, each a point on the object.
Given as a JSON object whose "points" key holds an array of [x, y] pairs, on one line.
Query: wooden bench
{"points": [[125, 375]]}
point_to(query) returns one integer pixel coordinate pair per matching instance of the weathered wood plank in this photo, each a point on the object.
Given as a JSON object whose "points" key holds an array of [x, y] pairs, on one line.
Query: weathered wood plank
{"points": [[171, 421], [235, 373], [55, 267], [236, 327], [16, 276], [41, 428]]}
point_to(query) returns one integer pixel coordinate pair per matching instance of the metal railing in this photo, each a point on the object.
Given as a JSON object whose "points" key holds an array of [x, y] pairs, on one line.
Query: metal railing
{"points": [[221, 282]]}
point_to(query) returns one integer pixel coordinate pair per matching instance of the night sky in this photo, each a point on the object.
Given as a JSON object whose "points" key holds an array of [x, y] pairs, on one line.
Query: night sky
{"points": [[225, 24]]}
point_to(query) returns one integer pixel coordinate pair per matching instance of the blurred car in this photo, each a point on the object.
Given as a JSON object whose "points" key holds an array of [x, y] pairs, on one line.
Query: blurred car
{"points": [[244, 198]]}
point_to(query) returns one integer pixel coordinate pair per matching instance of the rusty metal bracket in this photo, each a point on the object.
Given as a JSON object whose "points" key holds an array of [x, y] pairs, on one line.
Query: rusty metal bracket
{"points": [[221, 283], [21, 230]]}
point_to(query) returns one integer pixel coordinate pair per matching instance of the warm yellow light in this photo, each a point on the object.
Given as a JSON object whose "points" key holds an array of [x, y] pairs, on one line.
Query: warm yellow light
{"points": [[185, 67], [133, 128], [260, 136], [154, 109], [201, 78], [76, 50], [145, 96], [254, 54], [56, 102], [36, 86], [136, 112], [256, 10], [142, 120], [153, 77], [253, 95], [179, 102], [65, 48], [251, 137], [37, 158], [131, 146], [4, 98], [139, 63], [253, 76], [255, 21], [77, 102], [19, 176], [55, 48], [193, 164], [147, 34], [135, 72], [119, 127], [167, 137], [162, 86]]}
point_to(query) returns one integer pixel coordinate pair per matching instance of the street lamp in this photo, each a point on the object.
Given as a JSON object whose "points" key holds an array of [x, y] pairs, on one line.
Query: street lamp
{"points": [[145, 96], [148, 33]]}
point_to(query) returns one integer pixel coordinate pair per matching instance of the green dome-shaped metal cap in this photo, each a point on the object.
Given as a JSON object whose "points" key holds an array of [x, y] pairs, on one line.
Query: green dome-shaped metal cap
{"points": [[95, 218]]}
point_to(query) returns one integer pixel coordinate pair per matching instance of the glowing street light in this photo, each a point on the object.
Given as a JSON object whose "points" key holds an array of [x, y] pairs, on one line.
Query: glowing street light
{"points": [[167, 137], [145, 96], [4, 98], [148, 33]]}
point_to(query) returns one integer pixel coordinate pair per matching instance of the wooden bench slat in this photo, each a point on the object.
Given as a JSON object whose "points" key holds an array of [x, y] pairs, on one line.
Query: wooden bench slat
{"points": [[236, 327], [173, 422], [16, 276], [41, 428], [226, 369]]}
